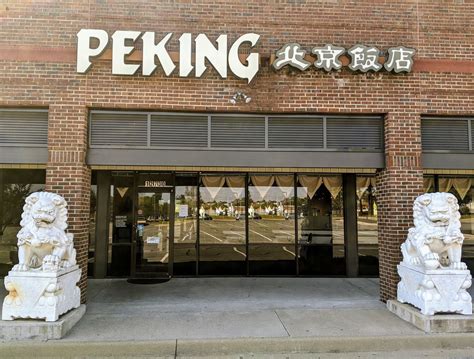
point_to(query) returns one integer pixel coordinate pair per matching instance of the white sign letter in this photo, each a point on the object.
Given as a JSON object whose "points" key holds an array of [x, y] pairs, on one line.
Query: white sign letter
{"points": [[216, 56], [244, 72], [150, 50], [185, 50], [119, 50], [84, 52]]}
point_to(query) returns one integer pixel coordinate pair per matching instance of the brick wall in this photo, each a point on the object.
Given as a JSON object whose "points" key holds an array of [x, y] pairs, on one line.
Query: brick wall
{"points": [[398, 184], [37, 68], [68, 174]]}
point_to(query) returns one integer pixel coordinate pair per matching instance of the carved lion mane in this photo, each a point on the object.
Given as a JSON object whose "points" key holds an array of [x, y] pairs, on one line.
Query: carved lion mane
{"points": [[436, 238], [42, 241]]}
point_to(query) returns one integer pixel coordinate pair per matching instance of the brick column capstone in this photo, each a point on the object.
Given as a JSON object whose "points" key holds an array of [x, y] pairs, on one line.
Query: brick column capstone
{"points": [[398, 184], [68, 175]]}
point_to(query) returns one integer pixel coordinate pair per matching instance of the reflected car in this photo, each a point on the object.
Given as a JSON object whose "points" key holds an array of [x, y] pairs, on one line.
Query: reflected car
{"points": [[256, 216], [206, 217]]}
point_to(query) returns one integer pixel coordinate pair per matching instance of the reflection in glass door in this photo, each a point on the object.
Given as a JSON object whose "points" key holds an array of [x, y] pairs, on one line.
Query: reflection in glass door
{"points": [[321, 249], [222, 225], [152, 238], [272, 225]]}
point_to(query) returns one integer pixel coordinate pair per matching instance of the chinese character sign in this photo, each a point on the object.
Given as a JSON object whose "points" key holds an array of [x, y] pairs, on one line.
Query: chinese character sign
{"points": [[328, 57], [293, 55], [364, 58], [399, 59], [361, 58]]}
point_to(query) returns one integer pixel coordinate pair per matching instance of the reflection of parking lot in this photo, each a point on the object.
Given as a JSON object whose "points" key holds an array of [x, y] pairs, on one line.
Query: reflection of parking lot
{"points": [[223, 239]]}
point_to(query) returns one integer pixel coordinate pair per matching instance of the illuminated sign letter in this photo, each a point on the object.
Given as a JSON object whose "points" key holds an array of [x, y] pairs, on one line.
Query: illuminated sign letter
{"points": [[120, 50], [185, 50], [150, 50], [84, 52], [216, 56], [238, 69]]}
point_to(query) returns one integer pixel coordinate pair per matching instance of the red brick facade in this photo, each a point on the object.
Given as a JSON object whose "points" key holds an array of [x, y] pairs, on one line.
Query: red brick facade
{"points": [[37, 66]]}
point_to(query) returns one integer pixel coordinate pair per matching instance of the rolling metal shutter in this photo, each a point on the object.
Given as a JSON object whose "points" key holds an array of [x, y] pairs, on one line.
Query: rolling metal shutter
{"points": [[295, 132], [237, 132], [178, 131], [19, 127], [445, 134], [354, 133], [118, 129]]}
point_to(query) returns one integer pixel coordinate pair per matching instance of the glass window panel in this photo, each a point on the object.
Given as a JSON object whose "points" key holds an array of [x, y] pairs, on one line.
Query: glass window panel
{"points": [[122, 224], [272, 224], [320, 225], [367, 228], [222, 225], [185, 232], [15, 186], [463, 189]]}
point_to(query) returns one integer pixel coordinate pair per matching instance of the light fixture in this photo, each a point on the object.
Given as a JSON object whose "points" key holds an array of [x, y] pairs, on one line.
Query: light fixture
{"points": [[240, 97]]}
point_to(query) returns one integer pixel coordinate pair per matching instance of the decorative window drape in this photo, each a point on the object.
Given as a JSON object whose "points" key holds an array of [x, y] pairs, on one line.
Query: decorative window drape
{"points": [[312, 184], [461, 185]]}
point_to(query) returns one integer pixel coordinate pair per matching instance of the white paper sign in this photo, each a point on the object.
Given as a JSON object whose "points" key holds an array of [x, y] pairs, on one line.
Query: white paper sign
{"points": [[183, 210], [153, 240]]}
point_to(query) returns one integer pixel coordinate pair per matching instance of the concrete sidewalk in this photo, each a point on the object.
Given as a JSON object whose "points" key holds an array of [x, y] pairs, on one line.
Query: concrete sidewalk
{"points": [[229, 316]]}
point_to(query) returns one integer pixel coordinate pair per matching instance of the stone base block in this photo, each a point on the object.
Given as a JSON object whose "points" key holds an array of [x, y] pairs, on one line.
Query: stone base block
{"points": [[25, 329], [435, 291], [439, 323], [41, 295]]}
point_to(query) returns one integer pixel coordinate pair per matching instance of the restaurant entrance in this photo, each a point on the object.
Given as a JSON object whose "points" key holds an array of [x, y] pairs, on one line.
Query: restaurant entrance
{"points": [[152, 243], [244, 224]]}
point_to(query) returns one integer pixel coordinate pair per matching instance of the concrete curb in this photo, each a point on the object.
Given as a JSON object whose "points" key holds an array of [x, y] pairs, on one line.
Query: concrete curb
{"points": [[205, 347]]}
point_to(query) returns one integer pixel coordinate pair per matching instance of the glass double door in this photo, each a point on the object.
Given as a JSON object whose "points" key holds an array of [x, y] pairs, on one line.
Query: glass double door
{"points": [[154, 233]]}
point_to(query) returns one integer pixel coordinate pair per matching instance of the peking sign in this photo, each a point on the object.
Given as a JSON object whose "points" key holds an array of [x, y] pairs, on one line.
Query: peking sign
{"points": [[224, 56]]}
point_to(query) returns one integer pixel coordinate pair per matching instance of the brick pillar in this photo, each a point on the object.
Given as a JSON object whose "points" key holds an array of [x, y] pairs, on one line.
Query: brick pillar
{"points": [[68, 175], [397, 186]]}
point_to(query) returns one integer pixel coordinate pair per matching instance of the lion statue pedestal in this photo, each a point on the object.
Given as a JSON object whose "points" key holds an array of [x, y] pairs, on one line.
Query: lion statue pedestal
{"points": [[433, 278], [43, 284]]}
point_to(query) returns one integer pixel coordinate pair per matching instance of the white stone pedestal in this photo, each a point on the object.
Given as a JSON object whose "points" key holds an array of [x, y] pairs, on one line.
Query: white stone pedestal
{"points": [[41, 295], [435, 291]]}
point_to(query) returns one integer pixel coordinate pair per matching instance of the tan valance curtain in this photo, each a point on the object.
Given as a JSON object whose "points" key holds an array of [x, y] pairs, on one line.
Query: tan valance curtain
{"points": [[462, 186], [236, 184], [213, 184], [445, 184], [427, 184], [362, 184], [262, 184], [235, 181], [284, 180], [333, 184], [312, 184], [286, 184]]}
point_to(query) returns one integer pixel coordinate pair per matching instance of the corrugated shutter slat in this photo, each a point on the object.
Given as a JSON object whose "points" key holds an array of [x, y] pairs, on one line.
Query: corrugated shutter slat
{"points": [[24, 128], [445, 134], [178, 131], [237, 132], [113, 129], [354, 133], [295, 132]]}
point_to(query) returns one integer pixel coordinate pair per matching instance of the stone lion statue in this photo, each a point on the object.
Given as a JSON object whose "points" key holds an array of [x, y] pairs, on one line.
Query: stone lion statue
{"points": [[436, 240], [42, 241]]}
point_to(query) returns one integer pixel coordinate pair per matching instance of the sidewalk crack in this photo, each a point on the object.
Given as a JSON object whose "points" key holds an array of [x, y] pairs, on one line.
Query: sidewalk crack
{"points": [[286, 330]]}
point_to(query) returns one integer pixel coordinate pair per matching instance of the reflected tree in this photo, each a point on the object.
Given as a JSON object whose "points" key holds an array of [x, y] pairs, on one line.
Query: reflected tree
{"points": [[14, 196]]}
